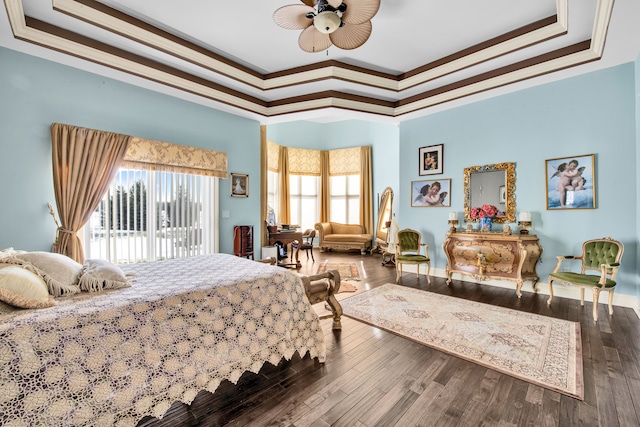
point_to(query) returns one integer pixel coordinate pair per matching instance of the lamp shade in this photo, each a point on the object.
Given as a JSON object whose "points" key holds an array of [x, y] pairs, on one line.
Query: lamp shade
{"points": [[326, 22], [525, 216]]}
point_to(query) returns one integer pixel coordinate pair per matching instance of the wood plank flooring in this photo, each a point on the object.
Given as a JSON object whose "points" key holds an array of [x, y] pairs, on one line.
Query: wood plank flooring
{"points": [[375, 378]]}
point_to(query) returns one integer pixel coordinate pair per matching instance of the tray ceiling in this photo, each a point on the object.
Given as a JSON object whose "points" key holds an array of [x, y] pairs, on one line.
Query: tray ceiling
{"points": [[421, 56]]}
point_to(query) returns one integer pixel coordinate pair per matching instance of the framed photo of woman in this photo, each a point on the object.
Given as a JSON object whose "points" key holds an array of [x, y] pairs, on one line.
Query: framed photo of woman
{"points": [[239, 185]]}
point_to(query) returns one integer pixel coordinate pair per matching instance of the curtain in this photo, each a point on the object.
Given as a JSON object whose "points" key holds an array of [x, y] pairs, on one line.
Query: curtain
{"points": [[283, 190], [325, 189], [85, 161], [264, 165], [366, 190]]}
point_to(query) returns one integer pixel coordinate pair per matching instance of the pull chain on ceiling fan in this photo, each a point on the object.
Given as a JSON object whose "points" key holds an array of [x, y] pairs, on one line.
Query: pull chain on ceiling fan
{"points": [[345, 24]]}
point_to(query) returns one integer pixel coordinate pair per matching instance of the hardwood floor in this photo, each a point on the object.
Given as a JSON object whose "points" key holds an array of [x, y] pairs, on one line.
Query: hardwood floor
{"points": [[375, 378]]}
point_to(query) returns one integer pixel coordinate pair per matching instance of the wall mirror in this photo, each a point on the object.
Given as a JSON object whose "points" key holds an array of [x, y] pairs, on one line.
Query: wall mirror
{"points": [[385, 213], [493, 185]]}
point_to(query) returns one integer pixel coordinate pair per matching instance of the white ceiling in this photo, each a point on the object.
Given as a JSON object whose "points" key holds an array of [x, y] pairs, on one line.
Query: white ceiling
{"points": [[406, 35]]}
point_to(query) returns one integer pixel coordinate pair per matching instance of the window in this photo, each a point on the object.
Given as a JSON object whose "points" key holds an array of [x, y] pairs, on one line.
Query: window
{"points": [[272, 192], [304, 199], [345, 199], [148, 215]]}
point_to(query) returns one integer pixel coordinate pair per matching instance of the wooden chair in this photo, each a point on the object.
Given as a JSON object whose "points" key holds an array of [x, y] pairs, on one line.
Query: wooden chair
{"points": [[307, 242], [324, 287], [409, 251], [598, 255]]}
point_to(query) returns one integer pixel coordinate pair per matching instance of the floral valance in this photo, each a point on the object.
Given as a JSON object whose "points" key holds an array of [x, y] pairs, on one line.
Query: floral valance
{"points": [[165, 156], [304, 162], [345, 161], [273, 156]]}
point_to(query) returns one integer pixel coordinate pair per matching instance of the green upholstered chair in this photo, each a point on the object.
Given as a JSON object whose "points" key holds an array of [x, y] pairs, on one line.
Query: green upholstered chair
{"points": [[598, 255], [409, 251]]}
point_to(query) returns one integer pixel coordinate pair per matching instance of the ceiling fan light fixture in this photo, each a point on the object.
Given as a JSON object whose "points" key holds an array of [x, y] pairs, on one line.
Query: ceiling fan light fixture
{"points": [[327, 22]]}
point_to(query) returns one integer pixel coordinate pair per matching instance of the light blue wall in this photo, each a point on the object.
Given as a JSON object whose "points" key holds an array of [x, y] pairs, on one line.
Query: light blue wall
{"points": [[36, 93], [637, 99], [592, 113], [383, 139]]}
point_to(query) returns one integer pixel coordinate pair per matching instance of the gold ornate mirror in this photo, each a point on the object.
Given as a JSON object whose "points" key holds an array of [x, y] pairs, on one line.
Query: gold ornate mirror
{"points": [[385, 213], [492, 185]]}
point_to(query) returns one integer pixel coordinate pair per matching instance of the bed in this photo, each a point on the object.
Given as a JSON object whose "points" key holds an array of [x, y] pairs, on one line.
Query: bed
{"points": [[184, 325]]}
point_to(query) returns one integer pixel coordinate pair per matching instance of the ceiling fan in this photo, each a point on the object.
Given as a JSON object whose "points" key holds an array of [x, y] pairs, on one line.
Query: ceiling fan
{"points": [[343, 23]]}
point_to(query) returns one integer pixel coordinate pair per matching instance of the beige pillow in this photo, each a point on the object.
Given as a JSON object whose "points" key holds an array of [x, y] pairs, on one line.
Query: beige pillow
{"points": [[98, 274], [60, 272], [22, 288]]}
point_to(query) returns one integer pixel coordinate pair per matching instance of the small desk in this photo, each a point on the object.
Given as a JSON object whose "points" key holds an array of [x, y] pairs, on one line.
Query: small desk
{"points": [[287, 237]]}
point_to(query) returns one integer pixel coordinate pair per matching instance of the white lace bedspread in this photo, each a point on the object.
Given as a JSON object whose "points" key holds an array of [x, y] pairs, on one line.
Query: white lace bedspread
{"points": [[185, 325]]}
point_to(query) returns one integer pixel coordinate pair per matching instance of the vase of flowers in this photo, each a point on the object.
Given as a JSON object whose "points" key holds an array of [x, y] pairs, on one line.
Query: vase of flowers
{"points": [[485, 215]]}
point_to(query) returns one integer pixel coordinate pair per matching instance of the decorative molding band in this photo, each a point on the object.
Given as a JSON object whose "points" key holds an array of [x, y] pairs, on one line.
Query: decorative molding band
{"points": [[58, 39]]}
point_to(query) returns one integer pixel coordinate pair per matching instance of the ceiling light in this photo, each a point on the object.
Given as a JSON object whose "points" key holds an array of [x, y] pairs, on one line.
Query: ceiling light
{"points": [[327, 22]]}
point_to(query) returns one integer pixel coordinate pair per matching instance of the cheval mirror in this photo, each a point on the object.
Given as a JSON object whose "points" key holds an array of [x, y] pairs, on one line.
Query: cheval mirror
{"points": [[493, 184], [385, 214]]}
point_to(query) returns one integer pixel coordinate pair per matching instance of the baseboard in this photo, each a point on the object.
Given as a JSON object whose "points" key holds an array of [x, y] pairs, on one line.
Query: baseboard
{"points": [[622, 300]]}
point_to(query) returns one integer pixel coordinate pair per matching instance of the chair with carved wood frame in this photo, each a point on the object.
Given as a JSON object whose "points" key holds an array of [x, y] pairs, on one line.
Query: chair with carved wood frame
{"points": [[324, 287], [598, 255], [307, 242], [409, 251]]}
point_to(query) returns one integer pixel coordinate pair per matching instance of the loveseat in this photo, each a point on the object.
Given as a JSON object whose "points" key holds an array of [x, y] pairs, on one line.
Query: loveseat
{"points": [[334, 235]]}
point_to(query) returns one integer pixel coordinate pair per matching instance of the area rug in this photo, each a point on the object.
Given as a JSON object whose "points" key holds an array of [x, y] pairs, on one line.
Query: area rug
{"points": [[538, 349], [347, 270]]}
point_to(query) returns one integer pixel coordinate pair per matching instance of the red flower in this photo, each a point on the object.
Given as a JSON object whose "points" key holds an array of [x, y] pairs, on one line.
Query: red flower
{"points": [[483, 212]]}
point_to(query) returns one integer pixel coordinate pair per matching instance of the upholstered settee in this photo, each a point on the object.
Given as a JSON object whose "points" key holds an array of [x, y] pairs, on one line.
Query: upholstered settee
{"points": [[334, 235]]}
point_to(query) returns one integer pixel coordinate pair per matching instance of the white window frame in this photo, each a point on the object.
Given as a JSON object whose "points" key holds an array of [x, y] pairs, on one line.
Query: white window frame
{"points": [[146, 249], [304, 196], [350, 195]]}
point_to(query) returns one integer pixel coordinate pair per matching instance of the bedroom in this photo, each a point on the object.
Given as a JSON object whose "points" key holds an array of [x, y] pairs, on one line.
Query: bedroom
{"points": [[589, 113]]}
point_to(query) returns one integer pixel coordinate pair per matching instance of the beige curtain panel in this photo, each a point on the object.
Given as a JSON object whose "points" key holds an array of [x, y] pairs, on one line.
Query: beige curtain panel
{"points": [[85, 161], [164, 156], [325, 188], [366, 189], [284, 216]]}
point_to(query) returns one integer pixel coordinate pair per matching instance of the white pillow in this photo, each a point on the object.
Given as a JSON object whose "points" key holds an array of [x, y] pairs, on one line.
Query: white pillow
{"points": [[98, 274], [22, 288]]}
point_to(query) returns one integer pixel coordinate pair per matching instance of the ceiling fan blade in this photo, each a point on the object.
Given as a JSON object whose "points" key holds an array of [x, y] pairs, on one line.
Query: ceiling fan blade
{"points": [[351, 36], [312, 40], [334, 3], [359, 11], [293, 16], [309, 3]]}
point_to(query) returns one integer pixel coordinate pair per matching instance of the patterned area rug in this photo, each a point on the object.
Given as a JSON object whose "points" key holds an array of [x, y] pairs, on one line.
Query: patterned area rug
{"points": [[347, 270], [538, 349]]}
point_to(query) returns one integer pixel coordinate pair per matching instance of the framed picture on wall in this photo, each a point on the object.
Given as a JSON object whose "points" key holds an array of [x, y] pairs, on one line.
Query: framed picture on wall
{"points": [[571, 182], [503, 194], [431, 160], [431, 193], [239, 185]]}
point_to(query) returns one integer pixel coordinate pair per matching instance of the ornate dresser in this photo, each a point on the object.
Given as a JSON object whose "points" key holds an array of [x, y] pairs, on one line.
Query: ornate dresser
{"points": [[493, 256]]}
